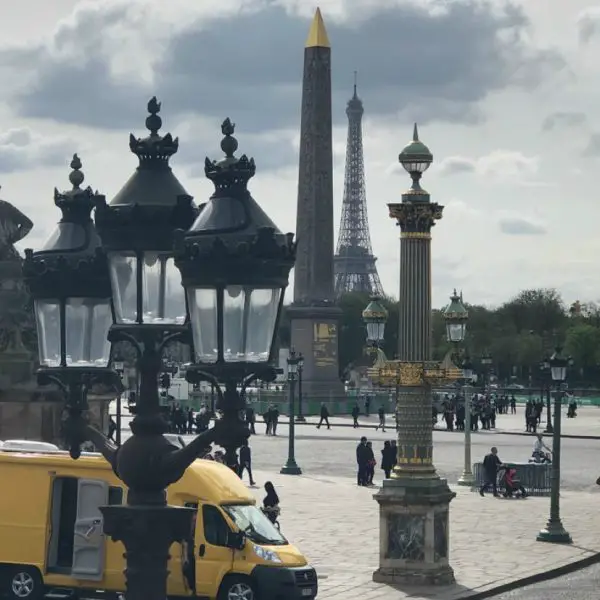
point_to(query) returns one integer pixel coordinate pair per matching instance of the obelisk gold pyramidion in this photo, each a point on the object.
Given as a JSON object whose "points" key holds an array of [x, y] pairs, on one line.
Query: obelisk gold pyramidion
{"points": [[314, 316]]}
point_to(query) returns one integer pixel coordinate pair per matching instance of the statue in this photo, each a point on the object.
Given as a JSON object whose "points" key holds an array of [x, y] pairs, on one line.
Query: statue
{"points": [[14, 226]]}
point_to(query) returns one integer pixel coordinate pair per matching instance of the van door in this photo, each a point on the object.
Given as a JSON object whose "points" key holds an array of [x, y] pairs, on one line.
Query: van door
{"points": [[88, 544], [215, 559]]}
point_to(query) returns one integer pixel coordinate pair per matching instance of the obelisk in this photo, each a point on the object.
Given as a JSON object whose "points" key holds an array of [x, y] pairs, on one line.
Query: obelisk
{"points": [[314, 315]]}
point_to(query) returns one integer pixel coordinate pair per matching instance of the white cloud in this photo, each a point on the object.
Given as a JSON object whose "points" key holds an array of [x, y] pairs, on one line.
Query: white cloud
{"points": [[500, 164]]}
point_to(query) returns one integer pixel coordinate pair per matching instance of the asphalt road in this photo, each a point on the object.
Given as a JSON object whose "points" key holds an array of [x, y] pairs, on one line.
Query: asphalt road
{"points": [[582, 585], [332, 452]]}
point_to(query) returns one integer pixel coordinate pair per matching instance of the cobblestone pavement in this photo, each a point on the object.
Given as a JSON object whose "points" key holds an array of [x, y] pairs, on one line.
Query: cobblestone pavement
{"points": [[492, 541], [582, 585]]}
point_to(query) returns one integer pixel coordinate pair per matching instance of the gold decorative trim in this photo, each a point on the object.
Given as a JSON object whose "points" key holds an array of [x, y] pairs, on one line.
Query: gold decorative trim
{"points": [[415, 235]]}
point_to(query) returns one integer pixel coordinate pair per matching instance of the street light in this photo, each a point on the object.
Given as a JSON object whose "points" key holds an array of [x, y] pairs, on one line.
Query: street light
{"points": [[300, 418], [456, 317], [235, 265], [233, 256], [69, 282], [375, 316], [291, 467], [486, 361], [554, 531], [546, 374]]}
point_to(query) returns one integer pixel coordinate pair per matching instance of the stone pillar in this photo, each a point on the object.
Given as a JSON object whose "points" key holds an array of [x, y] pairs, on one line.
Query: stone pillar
{"points": [[414, 503]]}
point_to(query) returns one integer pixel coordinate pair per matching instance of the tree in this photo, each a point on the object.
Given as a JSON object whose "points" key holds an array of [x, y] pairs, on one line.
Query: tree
{"points": [[540, 311], [582, 343]]}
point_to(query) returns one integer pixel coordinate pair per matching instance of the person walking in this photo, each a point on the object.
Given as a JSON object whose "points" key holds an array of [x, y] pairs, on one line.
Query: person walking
{"points": [[251, 419], [381, 413], [355, 413], [491, 464], [324, 416], [246, 461]]}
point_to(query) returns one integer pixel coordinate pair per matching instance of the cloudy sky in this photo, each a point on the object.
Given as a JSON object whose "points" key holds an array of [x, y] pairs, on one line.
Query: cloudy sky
{"points": [[507, 95]]}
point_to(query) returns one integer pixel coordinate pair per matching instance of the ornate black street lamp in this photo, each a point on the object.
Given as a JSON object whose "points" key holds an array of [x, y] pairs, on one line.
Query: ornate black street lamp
{"points": [[546, 378], [69, 282], [291, 466], [235, 265], [554, 531], [456, 317], [300, 418], [233, 255]]}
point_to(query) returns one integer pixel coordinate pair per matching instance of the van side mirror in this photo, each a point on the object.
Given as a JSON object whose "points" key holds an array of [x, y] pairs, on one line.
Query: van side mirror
{"points": [[236, 540]]}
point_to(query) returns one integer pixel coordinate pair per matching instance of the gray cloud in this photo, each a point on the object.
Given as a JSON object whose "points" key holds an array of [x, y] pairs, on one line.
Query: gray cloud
{"points": [[588, 24], [520, 226], [249, 66], [562, 119], [20, 149], [592, 148], [454, 165]]}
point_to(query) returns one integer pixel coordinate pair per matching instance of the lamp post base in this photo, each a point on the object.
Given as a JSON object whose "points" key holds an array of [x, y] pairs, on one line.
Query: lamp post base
{"points": [[554, 533], [466, 479], [549, 429], [290, 468]]}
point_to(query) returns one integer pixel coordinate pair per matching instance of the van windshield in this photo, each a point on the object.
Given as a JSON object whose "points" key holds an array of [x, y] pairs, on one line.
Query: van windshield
{"points": [[255, 524]]}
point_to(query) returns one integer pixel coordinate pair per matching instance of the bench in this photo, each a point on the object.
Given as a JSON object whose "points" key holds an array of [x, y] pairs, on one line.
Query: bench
{"points": [[535, 478]]}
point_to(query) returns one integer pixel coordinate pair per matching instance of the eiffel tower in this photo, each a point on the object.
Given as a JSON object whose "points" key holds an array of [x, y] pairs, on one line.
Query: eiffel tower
{"points": [[354, 263]]}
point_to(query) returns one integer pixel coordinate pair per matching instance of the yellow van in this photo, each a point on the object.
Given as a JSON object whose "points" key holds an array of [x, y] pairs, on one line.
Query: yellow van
{"points": [[51, 538]]}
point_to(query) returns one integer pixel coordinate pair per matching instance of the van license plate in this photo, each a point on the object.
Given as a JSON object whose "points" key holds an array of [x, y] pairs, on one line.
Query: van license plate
{"points": [[307, 592]]}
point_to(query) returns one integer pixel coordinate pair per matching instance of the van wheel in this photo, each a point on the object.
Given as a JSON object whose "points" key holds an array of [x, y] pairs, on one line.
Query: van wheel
{"points": [[237, 587], [25, 583]]}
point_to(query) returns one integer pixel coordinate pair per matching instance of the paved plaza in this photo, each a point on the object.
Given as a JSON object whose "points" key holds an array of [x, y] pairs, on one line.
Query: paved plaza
{"points": [[492, 541]]}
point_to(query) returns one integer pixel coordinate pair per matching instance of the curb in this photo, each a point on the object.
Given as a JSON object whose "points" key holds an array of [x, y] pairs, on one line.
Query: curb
{"points": [[577, 565]]}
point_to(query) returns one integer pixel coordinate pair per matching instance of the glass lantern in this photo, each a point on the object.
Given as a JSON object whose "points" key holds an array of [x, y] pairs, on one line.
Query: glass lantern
{"points": [[375, 317], [558, 367], [456, 317]]}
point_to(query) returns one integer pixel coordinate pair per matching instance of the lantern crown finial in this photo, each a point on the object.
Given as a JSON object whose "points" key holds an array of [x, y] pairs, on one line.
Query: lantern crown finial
{"points": [[76, 204], [155, 149], [229, 171]]}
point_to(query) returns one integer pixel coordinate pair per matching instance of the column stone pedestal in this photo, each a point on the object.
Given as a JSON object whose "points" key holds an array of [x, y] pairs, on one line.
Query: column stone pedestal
{"points": [[414, 532]]}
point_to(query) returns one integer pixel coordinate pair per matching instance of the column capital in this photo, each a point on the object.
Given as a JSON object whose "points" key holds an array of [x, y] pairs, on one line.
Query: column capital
{"points": [[416, 218]]}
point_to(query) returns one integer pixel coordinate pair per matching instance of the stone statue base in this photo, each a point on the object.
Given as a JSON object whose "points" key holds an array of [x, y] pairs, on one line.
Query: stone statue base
{"points": [[413, 517]]}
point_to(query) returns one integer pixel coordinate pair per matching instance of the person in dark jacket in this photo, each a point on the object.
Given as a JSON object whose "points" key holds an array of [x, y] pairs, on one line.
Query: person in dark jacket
{"points": [[324, 417], [387, 459], [371, 463], [491, 464], [381, 413], [362, 461], [251, 419], [246, 461], [355, 413]]}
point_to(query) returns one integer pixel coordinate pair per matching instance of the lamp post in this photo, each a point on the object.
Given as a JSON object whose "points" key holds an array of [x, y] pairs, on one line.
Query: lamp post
{"points": [[119, 367], [234, 266], [456, 317], [375, 317], [300, 418], [415, 498], [291, 467], [486, 361], [554, 531], [546, 378]]}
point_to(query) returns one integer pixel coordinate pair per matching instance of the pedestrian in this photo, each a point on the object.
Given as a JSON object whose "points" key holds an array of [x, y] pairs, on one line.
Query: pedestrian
{"points": [[246, 461], [190, 420], [361, 461], [491, 464], [355, 413], [251, 419], [381, 413], [387, 458], [112, 429], [368, 406], [274, 419], [268, 419], [371, 463], [513, 405], [324, 416]]}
